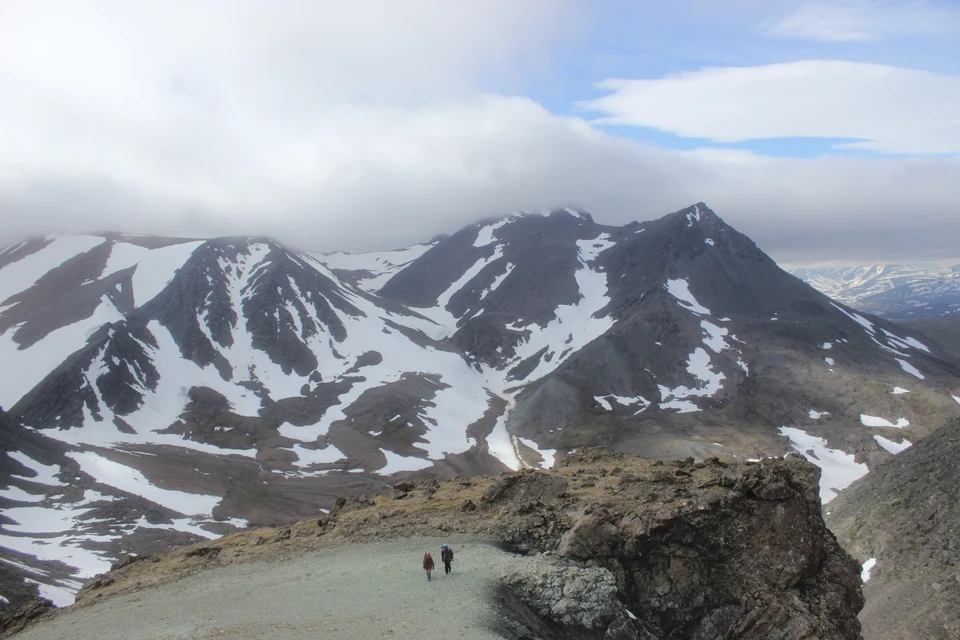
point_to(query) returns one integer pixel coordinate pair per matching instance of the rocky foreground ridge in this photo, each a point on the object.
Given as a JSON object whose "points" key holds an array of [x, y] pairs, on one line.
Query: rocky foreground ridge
{"points": [[640, 549]]}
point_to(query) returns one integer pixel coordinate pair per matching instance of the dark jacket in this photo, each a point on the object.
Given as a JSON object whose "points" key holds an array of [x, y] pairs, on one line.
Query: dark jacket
{"points": [[446, 555], [428, 562]]}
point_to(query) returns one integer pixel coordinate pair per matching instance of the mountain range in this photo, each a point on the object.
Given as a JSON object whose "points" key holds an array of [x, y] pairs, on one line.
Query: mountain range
{"points": [[892, 291], [160, 389]]}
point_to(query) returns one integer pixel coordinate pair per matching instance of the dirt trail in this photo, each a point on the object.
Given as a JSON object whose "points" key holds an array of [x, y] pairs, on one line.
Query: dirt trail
{"points": [[375, 590]]}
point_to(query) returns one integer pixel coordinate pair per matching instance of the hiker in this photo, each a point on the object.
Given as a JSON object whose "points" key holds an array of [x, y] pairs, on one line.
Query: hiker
{"points": [[427, 565], [446, 554]]}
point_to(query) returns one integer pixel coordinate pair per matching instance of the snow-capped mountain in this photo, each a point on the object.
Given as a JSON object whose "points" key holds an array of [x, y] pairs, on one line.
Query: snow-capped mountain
{"points": [[164, 388], [892, 291]]}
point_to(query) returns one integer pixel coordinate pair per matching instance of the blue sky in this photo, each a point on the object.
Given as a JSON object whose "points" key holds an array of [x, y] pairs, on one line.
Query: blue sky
{"points": [[650, 40], [826, 130]]}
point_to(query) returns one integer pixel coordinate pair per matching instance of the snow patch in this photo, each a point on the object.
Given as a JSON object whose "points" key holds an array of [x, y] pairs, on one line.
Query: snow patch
{"points": [[909, 368], [485, 235], [680, 289], [155, 268], [867, 568], [132, 481], [46, 473], [715, 336], [699, 366], [396, 463], [838, 469], [874, 421], [891, 446], [863, 322]]}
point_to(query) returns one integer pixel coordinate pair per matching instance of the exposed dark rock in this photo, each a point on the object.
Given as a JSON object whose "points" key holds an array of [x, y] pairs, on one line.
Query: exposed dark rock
{"points": [[27, 613], [213, 551], [740, 552], [571, 602]]}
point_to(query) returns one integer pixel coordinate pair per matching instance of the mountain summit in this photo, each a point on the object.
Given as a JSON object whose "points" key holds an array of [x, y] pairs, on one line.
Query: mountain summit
{"points": [[185, 387]]}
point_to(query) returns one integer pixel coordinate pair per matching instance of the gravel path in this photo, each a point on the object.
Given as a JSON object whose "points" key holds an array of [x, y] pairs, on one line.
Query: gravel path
{"points": [[358, 592]]}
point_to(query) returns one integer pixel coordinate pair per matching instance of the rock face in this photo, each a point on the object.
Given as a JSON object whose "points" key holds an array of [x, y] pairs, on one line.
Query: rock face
{"points": [[906, 517], [569, 601], [698, 551], [25, 614]]}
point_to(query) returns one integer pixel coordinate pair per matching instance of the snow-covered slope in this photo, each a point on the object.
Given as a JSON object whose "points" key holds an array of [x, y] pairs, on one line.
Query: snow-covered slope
{"points": [[182, 388], [897, 292]]}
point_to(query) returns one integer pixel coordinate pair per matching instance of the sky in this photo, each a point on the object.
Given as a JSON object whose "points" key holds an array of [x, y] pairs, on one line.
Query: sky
{"points": [[826, 130]]}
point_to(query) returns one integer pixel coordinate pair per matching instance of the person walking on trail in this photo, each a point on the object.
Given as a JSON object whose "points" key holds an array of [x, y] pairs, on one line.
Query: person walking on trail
{"points": [[446, 554], [428, 565]]}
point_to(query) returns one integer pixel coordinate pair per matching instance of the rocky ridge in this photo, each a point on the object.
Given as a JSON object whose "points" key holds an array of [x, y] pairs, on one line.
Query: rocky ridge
{"points": [[661, 549]]}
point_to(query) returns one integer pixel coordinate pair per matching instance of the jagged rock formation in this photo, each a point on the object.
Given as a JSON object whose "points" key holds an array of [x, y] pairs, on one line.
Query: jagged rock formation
{"points": [[905, 517], [725, 553], [636, 548]]}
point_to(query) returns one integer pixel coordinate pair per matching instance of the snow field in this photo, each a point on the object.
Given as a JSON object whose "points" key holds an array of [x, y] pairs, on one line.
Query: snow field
{"points": [[382, 265], [46, 473], [25, 369], [154, 267], [21, 275]]}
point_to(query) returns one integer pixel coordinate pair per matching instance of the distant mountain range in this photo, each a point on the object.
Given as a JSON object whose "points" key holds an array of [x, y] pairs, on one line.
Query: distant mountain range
{"points": [[892, 291], [160, 389]]}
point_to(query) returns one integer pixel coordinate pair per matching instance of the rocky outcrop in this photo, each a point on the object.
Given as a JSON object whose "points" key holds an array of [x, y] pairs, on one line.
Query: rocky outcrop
{"points": [[25, 614], [696, 551], [566, 602]]}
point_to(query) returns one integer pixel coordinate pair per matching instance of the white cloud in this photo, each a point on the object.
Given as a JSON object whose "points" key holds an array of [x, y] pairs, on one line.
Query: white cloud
{"points": [[375, 128], [864, 20], [892, 110]]}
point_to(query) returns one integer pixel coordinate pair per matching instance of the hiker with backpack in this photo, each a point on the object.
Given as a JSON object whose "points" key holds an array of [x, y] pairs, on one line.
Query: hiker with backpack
{"points": [[428, 565], [446, 555]]}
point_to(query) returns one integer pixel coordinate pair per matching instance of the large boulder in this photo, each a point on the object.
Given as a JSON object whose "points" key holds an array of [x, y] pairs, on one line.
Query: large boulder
{"points": [[696, 551]]}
